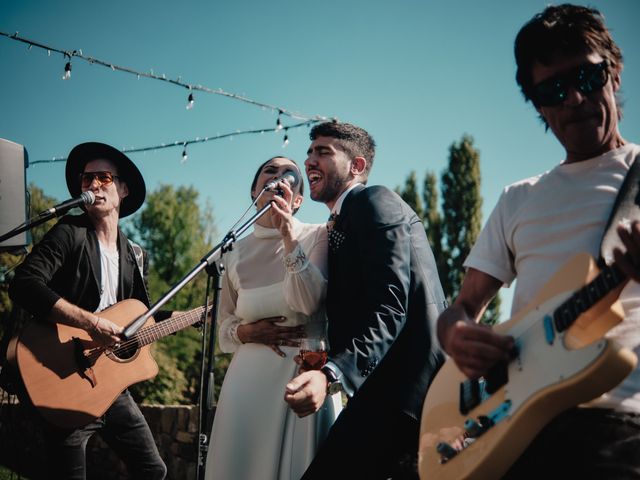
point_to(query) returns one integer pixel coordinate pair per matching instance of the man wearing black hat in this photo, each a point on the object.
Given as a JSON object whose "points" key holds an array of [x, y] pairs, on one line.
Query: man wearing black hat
{"points": [[83, 265]]}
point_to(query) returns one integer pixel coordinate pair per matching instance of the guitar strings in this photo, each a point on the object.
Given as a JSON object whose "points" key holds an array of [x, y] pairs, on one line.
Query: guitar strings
{"points": [[149, 333]]}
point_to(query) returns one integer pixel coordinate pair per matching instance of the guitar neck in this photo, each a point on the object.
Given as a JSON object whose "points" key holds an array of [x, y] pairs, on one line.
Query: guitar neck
{"points": [[583, 299], [171, 325]]}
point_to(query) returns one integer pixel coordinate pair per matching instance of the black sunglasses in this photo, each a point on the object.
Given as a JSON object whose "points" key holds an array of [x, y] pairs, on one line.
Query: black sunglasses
{"points": [[587, 78]]}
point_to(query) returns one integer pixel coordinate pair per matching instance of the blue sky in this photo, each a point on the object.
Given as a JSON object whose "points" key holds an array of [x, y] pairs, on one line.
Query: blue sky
{"points": [[416, 74]]}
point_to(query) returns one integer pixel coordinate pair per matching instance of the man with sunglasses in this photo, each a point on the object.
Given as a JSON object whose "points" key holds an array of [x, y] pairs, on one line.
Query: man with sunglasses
{"points": [[83, 265], [569, 67]]}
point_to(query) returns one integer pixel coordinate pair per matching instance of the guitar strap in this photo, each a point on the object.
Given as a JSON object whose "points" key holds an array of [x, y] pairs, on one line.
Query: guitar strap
{"points": [[625, 210], [139, 254]]}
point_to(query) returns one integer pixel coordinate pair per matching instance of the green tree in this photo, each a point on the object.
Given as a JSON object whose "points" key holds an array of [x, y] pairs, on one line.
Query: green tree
{"points": [[177, 234], [461, 209], [453, 232], [410, 194], [433, 220]]}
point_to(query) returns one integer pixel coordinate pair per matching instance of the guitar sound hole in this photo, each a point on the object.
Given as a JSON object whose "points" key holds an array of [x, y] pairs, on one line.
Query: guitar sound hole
{"points": [[125, 352]]}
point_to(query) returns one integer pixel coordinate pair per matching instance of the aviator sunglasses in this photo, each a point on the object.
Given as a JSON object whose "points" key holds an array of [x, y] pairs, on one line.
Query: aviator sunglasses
{"points": [[104, 178], [586, 78]]}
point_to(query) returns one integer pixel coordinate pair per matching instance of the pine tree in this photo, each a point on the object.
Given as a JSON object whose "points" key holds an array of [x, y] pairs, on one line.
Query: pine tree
{"points": [[410, 194], [433, 222], [461, 208], [453, 232]]}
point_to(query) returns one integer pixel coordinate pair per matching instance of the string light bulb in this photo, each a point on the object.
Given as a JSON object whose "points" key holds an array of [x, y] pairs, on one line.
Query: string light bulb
{"points": [[286, 138], [185, 156], [279, 122], [190, 101], [67, 71]]}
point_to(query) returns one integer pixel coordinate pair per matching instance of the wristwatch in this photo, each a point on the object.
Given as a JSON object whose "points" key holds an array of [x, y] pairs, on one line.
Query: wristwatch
{"points": [[333, 382]]}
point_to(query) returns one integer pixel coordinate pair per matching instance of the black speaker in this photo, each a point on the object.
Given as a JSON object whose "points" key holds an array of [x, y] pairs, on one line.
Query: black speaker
{"points": [[14, 161]]}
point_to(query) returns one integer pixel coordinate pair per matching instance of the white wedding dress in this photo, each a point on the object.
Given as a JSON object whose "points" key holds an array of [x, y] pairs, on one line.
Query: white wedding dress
{"points": [[255, 435]]}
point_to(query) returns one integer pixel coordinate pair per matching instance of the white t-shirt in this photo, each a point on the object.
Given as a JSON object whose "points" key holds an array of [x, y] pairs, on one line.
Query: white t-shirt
{"points": [[541, 222], [109, 265]]}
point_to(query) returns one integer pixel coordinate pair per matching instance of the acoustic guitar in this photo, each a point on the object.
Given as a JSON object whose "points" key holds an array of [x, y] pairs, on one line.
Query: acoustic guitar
{"points": [[72, 385], [478, 428]]}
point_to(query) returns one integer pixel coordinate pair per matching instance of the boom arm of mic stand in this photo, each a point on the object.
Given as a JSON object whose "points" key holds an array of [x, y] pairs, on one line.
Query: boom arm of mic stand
{"points": [[208, 259], [32, 223]]}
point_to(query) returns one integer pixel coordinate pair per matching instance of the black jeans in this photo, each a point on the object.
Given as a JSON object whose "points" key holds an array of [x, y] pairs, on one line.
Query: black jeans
{"points": [[585, 443], [123, 428]]}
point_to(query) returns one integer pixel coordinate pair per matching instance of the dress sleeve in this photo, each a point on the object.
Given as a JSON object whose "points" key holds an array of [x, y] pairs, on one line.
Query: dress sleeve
{"points": [[227, 322], [305, 283]]}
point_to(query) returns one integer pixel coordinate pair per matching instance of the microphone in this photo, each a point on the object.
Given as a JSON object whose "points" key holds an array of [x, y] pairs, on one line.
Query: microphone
{"points": [[87, 198], [290, 176]]}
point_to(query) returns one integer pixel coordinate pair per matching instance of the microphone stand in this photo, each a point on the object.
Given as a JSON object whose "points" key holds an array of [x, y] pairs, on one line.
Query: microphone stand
{"points": [[207, 381], [32, 222], [49, 214]]}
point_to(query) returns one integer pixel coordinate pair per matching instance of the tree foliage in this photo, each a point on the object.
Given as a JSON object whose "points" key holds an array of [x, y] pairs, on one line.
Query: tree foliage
{"points": [[453, 230], [461, 209], [176, 234]]}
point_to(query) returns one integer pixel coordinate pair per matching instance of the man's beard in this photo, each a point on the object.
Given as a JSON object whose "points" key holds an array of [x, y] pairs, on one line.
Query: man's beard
{"points": [[332, 189]]}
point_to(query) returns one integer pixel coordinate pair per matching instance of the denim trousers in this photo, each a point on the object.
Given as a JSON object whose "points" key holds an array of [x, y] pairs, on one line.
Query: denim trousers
{"points": [[585, 443], [123, 428]]}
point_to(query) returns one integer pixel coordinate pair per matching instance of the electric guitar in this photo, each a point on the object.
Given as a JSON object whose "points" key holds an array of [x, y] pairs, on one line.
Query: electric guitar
{"points": [[72, 385], [478, 428]]}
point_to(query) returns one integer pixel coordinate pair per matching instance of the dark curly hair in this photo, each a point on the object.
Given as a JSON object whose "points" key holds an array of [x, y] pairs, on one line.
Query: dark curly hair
{"points": [[562, 30], [354, 141]]}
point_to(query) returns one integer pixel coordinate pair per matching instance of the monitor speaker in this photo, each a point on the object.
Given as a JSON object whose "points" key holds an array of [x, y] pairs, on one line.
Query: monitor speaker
{"points": [[13, 201]]}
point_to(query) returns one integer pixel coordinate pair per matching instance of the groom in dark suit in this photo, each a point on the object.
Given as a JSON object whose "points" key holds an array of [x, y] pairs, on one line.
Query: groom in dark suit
{"points": [[384, 297]]}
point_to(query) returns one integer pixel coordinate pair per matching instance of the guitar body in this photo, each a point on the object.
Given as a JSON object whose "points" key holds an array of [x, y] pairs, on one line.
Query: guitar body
{"points": [[547, 377], [66, 394]]}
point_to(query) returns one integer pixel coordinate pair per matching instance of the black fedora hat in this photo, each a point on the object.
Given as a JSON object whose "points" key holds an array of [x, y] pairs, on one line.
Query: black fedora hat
{"points": [[81, 154]]}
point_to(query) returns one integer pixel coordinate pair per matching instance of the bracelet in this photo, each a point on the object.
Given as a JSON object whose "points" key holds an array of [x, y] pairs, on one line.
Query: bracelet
{"points": [[95, 325]]}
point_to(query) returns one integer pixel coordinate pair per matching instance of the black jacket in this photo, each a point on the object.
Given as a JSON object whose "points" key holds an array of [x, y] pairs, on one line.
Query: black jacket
{"points": [[383, 300]]}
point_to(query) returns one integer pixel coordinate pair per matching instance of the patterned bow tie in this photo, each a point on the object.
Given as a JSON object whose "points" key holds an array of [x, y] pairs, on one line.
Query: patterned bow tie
{"points": [[336, 237]]}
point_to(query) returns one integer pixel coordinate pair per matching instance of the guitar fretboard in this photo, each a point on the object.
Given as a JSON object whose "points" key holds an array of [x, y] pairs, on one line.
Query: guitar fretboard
{"points": [[582, 300], [171, 325]]}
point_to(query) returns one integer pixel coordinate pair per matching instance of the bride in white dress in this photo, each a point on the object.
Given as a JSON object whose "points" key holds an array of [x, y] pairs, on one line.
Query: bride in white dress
{"points": [[273, 293]]}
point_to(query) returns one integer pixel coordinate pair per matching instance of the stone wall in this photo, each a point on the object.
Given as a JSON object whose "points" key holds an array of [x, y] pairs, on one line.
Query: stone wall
{"points": [[175, 429]]}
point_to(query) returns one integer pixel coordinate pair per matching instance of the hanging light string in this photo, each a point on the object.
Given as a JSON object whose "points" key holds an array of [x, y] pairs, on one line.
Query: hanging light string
{"points": [[69, 54], [185, 143]]}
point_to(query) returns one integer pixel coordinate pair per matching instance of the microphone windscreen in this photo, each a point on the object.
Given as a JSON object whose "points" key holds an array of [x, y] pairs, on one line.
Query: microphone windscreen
{"points": [[292, 178], [88, 197]]}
